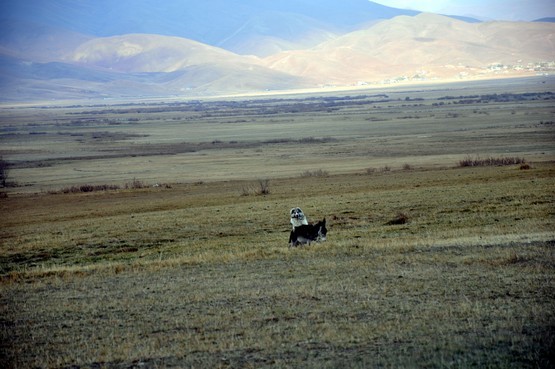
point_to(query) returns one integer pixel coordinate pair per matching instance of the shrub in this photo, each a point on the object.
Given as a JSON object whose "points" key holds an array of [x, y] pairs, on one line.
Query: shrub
{"points": [[262, 189], [264, 186], [3, 172], [316, 173], [469, 161], [247, 191], [401, 218], [72, 189], [88, 188], [136, 184]]}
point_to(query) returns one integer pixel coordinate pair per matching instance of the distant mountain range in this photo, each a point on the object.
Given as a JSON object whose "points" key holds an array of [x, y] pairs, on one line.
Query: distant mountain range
{"points": [[63, 49], [426, 46], [259, 27]]}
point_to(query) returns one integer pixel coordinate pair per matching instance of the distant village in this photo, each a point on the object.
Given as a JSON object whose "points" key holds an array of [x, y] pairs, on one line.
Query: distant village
{"points": [[539, 67], [543, 68]]}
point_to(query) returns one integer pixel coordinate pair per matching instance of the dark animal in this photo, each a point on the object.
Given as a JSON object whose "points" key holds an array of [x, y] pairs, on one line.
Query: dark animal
{"points": [[307, 233]]}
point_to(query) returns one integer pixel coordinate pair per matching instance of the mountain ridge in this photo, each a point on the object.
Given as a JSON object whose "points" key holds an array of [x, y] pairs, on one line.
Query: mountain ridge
{"points": [[193, 19], [46, 60], [427, 44]]}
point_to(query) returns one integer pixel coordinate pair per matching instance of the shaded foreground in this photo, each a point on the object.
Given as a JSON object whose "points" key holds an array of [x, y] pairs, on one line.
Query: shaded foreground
{"points": [[201, 276]]}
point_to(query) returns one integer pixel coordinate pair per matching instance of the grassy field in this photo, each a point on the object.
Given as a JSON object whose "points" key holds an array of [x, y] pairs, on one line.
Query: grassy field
{"points": [[197, 272], [49, 147]]}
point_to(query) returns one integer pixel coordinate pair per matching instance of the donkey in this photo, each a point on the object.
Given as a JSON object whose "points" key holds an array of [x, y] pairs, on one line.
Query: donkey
{"points": [[306, 233]]}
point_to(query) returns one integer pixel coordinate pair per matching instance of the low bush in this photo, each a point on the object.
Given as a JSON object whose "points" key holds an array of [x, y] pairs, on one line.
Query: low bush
{"points": [[89, 188], [316, 173], [4, 170], [135, 184], [470, 161], [401, 218], [263, 188]]}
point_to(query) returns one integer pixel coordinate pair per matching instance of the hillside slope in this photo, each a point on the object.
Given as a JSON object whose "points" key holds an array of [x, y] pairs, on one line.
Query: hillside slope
{"points": [[136, 66], [139, 53], [427, 44], [45, 62]]}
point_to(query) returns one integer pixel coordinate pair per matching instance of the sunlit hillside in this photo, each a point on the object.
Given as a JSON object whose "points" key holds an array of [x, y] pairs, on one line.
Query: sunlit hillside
{"points": [[67, 50]]}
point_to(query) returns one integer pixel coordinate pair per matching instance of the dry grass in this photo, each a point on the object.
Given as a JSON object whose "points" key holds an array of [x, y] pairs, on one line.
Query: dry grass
{"points": [[426, 265], [198, 275], [262, 138]]}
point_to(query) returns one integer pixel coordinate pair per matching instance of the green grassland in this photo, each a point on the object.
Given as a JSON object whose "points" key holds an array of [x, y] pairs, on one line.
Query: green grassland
{"points": [[197, 272]]}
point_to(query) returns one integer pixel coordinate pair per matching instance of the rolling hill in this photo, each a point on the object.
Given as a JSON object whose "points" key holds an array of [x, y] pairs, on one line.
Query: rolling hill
{"points": [[427, 44], [141, 53], [78, 56], [137, 65]]}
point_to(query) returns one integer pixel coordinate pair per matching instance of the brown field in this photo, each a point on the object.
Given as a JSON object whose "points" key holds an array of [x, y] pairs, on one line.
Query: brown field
{"points": [[196, 272], [190, 141]]}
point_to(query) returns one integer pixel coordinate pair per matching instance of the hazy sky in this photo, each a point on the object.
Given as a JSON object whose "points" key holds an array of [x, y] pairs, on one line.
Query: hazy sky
{"points": [[494, 9]]}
